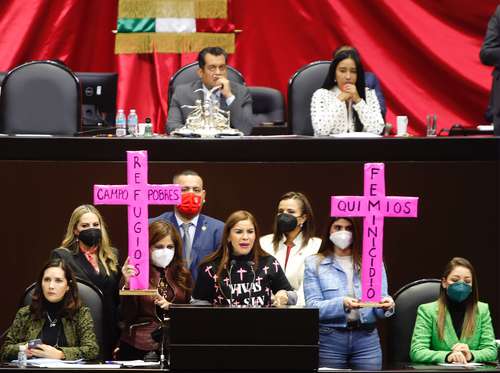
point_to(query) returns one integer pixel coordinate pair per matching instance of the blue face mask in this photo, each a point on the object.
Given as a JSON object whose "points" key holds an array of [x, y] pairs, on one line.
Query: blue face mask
{"points": [[458, 291]]}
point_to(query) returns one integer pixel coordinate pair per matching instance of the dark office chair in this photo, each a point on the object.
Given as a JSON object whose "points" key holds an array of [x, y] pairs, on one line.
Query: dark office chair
{"points": [[401, 324], [90, 295], [301, 87], [40, 97], [267, 105], [187, 74]]}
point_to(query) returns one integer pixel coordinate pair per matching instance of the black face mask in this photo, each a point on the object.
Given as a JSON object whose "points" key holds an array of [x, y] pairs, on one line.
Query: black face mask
{"points": [[286, 223], [90, 237]]}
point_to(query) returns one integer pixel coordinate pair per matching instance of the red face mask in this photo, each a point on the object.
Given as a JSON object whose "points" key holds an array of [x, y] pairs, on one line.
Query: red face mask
{"points": [[190, 205]]}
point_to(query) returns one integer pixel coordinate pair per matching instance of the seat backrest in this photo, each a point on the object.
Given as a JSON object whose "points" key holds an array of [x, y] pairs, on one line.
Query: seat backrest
{"points": [[40, 97], [90, 296], [187, 74], [267, 104], [401, 324], [300, 90]]}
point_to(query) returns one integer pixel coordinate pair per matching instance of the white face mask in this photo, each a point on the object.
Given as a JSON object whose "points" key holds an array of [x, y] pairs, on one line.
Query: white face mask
{"points": [[162, 257], [341, 239]]}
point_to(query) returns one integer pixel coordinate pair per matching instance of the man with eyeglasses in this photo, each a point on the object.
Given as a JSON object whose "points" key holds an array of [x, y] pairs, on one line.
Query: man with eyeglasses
{"points": [[232, 96], [201, 234]]}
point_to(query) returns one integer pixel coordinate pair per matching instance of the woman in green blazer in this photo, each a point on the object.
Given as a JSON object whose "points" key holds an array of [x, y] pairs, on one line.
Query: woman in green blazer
{"points": [[56, 318], [457, 327]]}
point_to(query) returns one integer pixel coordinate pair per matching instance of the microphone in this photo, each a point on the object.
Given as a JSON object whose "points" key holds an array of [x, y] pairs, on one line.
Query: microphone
{"points": [[349, 110], [231, 265], [251, 264]]}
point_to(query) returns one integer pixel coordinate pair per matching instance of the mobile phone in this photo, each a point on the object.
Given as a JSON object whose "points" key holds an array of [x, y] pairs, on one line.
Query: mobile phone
{"points": [[34, 342]]}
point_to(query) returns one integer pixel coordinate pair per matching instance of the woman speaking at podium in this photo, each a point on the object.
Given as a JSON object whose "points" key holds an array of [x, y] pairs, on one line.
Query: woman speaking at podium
{"points": [[457, 327], [348, 336], [142, 315], [56, 325], [87, 249], [239, 272]]}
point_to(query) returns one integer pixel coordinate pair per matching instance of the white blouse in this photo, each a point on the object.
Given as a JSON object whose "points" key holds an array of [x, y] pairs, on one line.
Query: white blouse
{"points": [[330, 116], [346, 263], [294, 269]]}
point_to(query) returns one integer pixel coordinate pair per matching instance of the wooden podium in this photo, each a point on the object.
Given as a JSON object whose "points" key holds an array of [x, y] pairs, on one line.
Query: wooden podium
{"points": [[229, 338]]}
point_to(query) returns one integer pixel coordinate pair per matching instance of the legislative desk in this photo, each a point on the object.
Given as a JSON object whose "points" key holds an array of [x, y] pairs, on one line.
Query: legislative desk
{"points": [[252, 149], [398, 369], [455, 178]]}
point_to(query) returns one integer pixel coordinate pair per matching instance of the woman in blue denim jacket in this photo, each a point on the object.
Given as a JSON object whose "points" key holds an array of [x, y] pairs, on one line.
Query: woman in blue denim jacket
{"points": [[332, 283]]}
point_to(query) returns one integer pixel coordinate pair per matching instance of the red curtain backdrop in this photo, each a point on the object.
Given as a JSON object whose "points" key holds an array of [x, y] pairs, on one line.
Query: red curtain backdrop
{"points": [[425, 52]]}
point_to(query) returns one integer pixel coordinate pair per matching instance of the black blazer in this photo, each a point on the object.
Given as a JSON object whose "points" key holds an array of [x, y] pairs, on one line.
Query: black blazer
{"points": [[490, 55]]}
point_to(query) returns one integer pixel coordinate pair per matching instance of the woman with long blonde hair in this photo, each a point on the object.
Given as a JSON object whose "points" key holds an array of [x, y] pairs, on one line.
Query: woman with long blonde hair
{"points": [[87, 249]]}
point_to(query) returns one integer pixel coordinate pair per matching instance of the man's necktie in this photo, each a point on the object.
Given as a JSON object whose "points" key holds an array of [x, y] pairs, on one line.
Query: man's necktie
{"points": [[187, 241]]}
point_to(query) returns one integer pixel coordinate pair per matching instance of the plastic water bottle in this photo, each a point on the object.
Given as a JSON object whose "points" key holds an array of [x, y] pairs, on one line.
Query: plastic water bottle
{"points": [[121, 123], [132, 122], [22, 359]]}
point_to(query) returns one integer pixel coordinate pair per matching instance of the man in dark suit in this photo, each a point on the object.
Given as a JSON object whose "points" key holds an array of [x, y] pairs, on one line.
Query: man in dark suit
{"points": [[490, 55], [201, 234], [232, 96]]}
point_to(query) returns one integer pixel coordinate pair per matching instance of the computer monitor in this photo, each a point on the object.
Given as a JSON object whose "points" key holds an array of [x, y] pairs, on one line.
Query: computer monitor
{"points": [[98, 99]]}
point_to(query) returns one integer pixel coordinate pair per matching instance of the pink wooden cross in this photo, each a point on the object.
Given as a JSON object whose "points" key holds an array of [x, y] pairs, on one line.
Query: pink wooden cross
{"points": [[137, 195], [374, 206]]}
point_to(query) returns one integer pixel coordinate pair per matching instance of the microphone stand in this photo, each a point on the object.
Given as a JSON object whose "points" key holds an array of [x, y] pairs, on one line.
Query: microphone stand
{"points": [[165, 344], [251, 264], [233, 262]]}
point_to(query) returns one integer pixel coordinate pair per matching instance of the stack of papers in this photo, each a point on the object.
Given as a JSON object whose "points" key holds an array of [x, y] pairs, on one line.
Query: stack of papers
{"points": [[485, 128], [355, 135], [466, 365], [135, 363], [56, 363], [80, 364]]}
